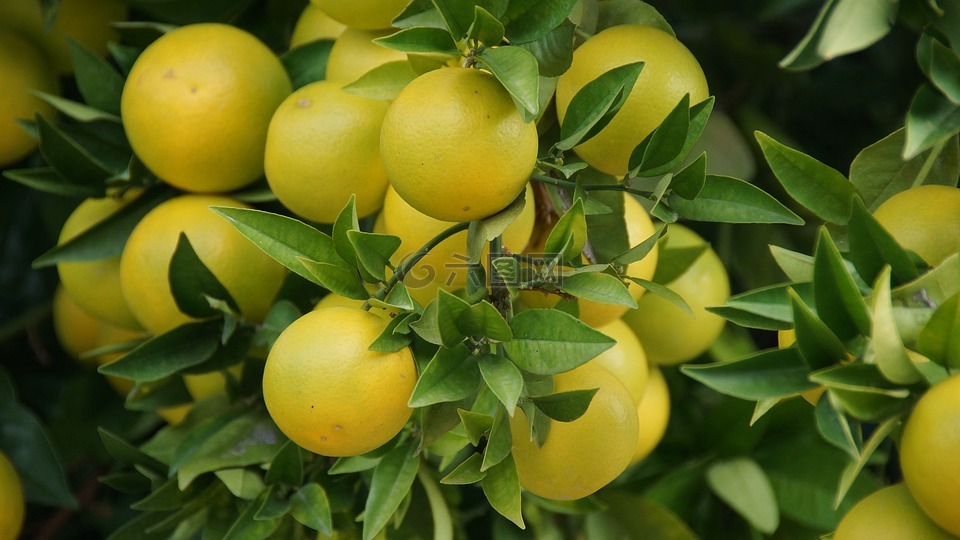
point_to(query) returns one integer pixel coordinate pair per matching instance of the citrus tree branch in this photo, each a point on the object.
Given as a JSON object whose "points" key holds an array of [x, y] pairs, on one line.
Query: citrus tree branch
{"points": [[588, 187]]}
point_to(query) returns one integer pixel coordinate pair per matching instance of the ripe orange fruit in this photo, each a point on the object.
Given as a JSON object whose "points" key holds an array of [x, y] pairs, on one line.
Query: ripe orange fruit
{"points": [[582, 456], [669, 72], [354, 53], [22, 68], [249, 274], [924, 219], [197, 104], [323, 146], [95, 285], [668, 334], [888, 514], [329, 392], [929, 448], [455, 147], [363, 14]]}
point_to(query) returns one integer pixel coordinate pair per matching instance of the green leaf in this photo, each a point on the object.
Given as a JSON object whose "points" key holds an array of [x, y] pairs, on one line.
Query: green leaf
{"points": [[307, 63], [547, 342], [246, 440], [483, 320], [617, 12], [71, 160], [689, 182], [449, 309], [457, 15], [127, 454], [632, 516], [501, 486], [879, 170], [47, 180], [641, 250], [287, 240], [595, 105], [475, 424], [485, 29], [839, 302], [873, 443], [286, 467], [940, 64], [443, 521], [451, 375], [390, 340], [607, 230], [466, 473], [842, 27], [419, 13], [346, 221], [166, 393], [191, 282], [764, 375], [536, 19], [862, 390], [886, 348], [565, 406], [243, 484], [391, 482], [77, 111], [797, 266], [185, 346], [742, 484], [553, 51], [673, 262], [310, 506], [374, 251], [872, 247], [932, 120], [499, 441], [281, 315], [661, 150], [818, 345], [569, 235], [665, 293], [246, 526], [503, 378], [98, 81], [107, 237], [335, 278], [816, 186], [420, 40], [427, 326], [940, 338], [729, 200], [385, 81], [516, 69], [835, 428], [598, 287], [931, 288], [487, 229]]}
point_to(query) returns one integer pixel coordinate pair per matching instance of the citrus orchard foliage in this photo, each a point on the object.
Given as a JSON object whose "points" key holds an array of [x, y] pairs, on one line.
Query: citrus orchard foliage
{"points": [[416, 269]]}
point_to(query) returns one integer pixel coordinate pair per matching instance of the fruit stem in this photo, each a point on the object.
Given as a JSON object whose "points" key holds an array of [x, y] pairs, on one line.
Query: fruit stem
{"points": [[414, 259], [589, 187]]}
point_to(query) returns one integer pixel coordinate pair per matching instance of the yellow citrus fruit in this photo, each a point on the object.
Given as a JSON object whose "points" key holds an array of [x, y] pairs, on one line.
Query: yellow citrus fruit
{"points": [[95, 284], [455, 147], [323, 146], [329, 392], [928, 453], [365, 14], [12, 510], [626, 360], [314, 24], [445, 266], [250, 276], [582, 456], [653, 412], [22, 68], [670, 71], [207, 384], [197, 104], [668, 334], [888, 514], [354, 53], [924, 220], [85, 21], [596, 314], [76, 328]]}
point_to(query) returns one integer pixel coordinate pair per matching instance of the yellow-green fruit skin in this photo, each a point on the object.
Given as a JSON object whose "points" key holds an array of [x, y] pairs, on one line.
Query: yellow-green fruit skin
{"points": [[455, 147], [670, 335], [197, 104], [929, 450], [22, 69], [12, 506], [925, 219], [312, 25], [248, 274], [354, 54], [323, 146], [670, 71], [582, 456], [76, 329], [888, 514], [95, 285], [653, 411], [363, 14], [626, 360]]}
